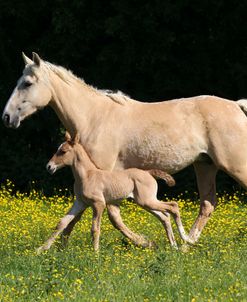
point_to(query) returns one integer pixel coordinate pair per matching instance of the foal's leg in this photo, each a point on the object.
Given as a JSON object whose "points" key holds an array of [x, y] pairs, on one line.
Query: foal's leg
{"points": [[205, 174], [67, 231], [165, 220], [171, 207], [98, 209], [113, 211], [145, 195], [77, 208]]}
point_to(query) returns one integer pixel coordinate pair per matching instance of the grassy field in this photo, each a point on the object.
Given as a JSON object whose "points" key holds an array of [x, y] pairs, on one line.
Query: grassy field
{"points": [[214, 270]]}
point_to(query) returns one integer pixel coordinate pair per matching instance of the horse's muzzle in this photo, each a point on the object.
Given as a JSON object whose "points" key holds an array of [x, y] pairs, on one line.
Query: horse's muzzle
{"points": [[6, 119], [10, 122]]}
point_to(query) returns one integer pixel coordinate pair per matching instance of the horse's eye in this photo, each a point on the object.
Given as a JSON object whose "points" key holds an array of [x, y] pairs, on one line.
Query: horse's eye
{"points": [[26, 84]]}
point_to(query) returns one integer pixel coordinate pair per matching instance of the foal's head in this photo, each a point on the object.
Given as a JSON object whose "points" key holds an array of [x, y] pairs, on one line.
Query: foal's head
{"points": [[31, 93], [65, 154]]}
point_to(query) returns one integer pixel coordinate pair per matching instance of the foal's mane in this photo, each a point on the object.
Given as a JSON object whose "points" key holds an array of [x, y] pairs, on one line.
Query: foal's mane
{"points": [[68, 77]]}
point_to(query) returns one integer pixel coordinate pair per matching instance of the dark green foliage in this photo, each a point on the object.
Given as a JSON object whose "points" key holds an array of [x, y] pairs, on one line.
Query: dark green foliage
{"points": [[151, 50]]}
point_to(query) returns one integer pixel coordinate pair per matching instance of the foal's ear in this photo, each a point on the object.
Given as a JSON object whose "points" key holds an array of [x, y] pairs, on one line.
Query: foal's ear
{"points": [[36, 58], [76, 139], [67, 136], [26, 59]]}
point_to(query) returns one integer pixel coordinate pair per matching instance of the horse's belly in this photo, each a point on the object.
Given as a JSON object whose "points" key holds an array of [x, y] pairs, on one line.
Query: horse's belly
{"points": [[158, 152]]}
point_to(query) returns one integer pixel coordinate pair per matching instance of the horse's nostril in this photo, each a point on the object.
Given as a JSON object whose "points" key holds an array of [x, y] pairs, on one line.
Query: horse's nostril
{"points": [[6, 118]]}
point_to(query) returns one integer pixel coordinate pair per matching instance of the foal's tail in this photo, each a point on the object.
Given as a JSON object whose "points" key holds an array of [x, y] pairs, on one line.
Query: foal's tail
{"points": [[163, 175], [243, 105]]}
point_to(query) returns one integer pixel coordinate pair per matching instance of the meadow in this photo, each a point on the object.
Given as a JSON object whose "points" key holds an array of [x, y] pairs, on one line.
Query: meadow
{"points": [[213, 270]]}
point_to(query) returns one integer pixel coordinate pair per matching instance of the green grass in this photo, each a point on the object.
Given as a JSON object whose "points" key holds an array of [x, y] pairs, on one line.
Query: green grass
{"points": [[214, 270]]}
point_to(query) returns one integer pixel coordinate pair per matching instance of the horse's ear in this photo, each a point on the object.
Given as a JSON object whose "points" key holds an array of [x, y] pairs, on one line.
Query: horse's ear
{"points": [[67, 136], [26, 59], [36, 58]]}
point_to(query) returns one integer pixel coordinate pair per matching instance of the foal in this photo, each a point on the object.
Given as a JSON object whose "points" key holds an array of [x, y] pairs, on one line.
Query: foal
{"points": [[99, 189]]}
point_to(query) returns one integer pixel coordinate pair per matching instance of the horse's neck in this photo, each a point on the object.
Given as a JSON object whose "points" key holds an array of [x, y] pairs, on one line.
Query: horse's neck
{"points": [[76, 104], [82, 163]]}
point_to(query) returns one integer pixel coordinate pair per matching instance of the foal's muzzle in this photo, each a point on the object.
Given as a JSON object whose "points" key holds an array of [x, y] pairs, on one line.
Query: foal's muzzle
{"points": [[51, 168]]}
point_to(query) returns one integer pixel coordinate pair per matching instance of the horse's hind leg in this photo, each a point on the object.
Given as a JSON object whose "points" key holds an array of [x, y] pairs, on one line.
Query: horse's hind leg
{"points": [[116, 220], [205, 174]]}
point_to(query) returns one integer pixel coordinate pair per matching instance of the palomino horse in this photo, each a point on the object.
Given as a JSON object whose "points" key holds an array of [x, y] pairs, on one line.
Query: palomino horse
{"points": [[119, 132]]}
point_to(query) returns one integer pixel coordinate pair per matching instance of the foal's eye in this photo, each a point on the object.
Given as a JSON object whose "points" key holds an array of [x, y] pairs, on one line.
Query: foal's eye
{"points": [[26, 84], [61, 152]]}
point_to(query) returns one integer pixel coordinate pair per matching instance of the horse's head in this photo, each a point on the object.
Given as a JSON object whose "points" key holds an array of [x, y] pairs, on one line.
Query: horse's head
{"points": [[65, 154], [31, 93]]}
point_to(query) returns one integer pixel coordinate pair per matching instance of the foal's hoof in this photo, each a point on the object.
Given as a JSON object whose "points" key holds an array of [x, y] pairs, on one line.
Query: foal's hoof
{"points": [[174, 246], [149, 244], [145, 243], [189, 240], [153, 245], [187, 247], [39, 250]]}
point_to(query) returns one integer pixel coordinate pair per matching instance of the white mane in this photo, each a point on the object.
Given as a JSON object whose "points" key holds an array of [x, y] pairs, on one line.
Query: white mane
{"points": [[117, 96], [68, 77]]}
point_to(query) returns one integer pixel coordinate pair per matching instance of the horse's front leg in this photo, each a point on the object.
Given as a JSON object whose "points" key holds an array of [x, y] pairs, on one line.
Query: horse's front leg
{"points": [[205, 174], [113, 211], [75, 210]]}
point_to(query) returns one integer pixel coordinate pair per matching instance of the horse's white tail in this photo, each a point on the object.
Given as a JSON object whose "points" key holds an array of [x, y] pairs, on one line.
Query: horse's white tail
{"points": [[243, 105]]}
